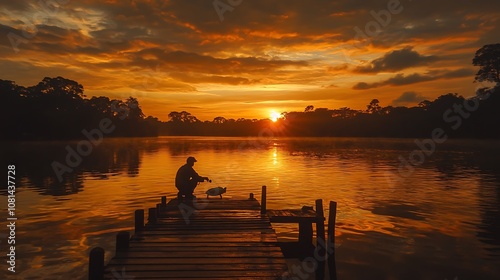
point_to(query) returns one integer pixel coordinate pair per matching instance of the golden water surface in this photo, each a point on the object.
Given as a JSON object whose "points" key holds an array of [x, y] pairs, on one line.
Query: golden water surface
{"points": [[436, 219]]}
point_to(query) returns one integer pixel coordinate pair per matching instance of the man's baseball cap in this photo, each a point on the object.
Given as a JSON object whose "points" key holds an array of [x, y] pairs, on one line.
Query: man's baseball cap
{"points": [[191, 159]]}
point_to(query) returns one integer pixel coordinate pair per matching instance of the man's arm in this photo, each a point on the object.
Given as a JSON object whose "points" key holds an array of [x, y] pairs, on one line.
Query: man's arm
{"points": [[198, 177], [201, 179]]}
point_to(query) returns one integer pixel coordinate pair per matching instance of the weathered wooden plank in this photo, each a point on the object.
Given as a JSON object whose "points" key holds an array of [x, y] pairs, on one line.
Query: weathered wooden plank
{"points": [[209, 254], [206, 245], [215, 260], [220, 237], [200, 228], [293, 219], [112, 277], [207, 230], [210, 240], [197, 220], [149, 248], [193, 231], [208, 267], [220, 217], [199, 274]]}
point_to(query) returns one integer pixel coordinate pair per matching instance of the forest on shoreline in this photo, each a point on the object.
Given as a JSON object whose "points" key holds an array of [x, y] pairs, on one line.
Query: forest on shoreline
{"points": [[57, 109]]}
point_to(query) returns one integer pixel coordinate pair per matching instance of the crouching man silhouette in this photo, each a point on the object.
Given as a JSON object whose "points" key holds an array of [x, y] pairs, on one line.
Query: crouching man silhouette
{"points": [[187, 179]]}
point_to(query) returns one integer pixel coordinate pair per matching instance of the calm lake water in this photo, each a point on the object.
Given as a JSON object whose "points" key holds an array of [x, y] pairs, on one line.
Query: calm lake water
{"points": [[438, 220]]}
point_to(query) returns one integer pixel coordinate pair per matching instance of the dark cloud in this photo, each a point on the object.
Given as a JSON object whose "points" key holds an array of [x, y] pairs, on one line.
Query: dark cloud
{"points": [[401, 79], [459, 73], [193, 62], [19, 5], [217, 79], [398, 80], [395, 61], [408, 98]]}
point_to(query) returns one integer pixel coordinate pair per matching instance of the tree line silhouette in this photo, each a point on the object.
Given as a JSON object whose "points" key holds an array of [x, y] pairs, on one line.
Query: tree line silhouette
{"points": [[56, 108]]}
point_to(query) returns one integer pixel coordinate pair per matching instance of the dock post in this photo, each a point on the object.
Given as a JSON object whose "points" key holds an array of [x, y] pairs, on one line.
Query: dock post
{"points": [[320, 227], [122, 241], [331, 225], [162, 206], [263, 209], [332, 266], [305, 236], [251, 196], [152, 215], [320, 239], [139, 220], [96, 264]]}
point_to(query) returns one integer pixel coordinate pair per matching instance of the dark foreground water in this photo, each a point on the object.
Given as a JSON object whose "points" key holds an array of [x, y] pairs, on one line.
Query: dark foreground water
{"points": [[401, 214]]}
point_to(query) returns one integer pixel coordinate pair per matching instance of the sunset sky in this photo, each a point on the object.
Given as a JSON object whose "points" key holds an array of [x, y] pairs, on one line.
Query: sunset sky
{"points": [[250, 57]]}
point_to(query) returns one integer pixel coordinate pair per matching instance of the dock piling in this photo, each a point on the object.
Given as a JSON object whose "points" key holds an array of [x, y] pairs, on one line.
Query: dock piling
{"points": [[152, 215], [332, 266], [305, 235], [320, 239], [139, 220], [263, 209], [122, 241], [320, 227], [96, 264], [251, 196], [331, 225]]}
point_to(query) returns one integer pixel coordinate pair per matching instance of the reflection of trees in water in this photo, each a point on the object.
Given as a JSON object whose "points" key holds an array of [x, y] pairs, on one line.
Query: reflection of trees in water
{"points": [[454, 160], [489, 200], [34, 163], [460, 157]]}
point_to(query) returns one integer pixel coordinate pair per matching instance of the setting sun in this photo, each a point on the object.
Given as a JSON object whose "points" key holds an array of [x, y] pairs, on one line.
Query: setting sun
{"points": [[274, 116]]}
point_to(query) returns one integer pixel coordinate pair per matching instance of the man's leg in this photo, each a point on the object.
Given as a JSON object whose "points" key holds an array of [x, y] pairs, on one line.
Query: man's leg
{"points": [[190, 188], [180, 194]]}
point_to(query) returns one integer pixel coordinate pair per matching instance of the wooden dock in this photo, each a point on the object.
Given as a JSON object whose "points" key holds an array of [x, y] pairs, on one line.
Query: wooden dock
{"points": [[201, 239]]}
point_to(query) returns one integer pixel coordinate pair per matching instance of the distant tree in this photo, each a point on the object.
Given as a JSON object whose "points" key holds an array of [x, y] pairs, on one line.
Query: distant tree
{"points": [[309, 108], [219, 120], [386, 110], [488, 59], [10, 87], [58, 86], [321, 110], [373, 107], [188, 118], [183, 116], [134, 110], [424, 104], [174, 116], [101, 104]]}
